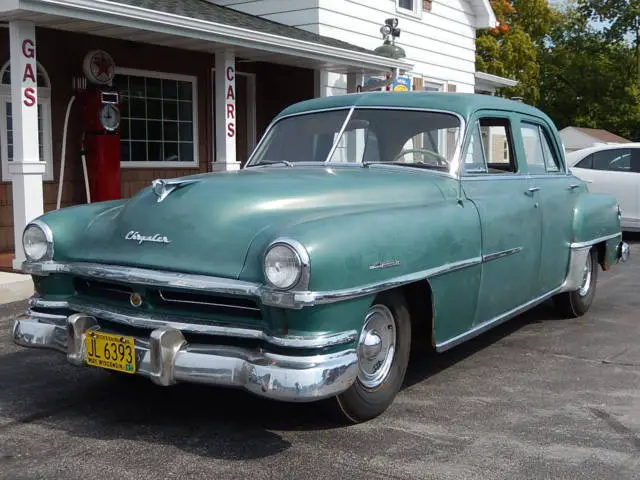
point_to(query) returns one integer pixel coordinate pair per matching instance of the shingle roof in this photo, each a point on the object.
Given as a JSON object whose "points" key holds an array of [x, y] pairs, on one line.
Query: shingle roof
{"points": [[208, 12], [602, 135]]}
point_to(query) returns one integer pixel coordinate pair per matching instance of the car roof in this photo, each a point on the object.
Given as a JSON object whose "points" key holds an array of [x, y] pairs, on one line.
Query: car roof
{"points": [[576, 156], [464, 104]]}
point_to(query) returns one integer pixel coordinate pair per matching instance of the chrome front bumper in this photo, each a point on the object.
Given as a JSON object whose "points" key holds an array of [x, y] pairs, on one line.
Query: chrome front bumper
{"points": [[166, 358]]}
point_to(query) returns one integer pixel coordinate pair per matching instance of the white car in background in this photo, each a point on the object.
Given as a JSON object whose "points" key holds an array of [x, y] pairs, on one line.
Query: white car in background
{"points": [[615, 170]]}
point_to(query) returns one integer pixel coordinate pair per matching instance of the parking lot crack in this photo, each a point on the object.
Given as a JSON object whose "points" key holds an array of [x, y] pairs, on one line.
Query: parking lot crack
{"points": [[617, 426]]}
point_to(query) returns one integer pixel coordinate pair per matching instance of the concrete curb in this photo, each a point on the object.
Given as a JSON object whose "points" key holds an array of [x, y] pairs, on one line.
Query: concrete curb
{"points": [[15, 287]]}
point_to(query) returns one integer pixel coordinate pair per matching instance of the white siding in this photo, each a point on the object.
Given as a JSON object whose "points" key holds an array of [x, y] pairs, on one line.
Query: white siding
{"points": [[441, 43]]}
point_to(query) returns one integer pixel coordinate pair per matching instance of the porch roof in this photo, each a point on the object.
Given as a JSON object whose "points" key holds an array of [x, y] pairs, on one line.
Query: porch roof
{"points": [[200, 25]]}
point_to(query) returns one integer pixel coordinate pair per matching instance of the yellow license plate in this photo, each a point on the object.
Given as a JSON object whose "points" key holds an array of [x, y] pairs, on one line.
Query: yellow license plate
{"points": [[115, 352]]}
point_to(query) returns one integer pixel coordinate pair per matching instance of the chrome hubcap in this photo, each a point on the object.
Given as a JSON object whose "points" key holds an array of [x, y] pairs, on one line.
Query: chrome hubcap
{"points": [[586, 278], [376, 347]]}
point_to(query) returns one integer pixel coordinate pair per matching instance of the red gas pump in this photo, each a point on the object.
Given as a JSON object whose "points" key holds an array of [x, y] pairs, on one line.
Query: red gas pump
{"points": [[101, 123], [101, 142]]}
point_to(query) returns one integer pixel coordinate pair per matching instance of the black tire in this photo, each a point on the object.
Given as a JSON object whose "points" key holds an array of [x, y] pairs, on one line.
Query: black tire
{"points": [[577, 303], [361, 403]]}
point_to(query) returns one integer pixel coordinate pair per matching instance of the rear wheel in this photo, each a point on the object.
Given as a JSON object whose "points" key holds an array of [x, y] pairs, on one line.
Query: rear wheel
{"points": [[577, 303], [383, 356]]}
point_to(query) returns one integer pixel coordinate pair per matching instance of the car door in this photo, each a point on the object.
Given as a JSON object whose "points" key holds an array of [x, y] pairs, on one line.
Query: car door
{"points": [[511, 231], [555, 193], [611, 171]]}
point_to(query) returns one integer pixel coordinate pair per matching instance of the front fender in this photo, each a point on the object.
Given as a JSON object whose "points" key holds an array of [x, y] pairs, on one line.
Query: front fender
{"points": [[365, 248]]}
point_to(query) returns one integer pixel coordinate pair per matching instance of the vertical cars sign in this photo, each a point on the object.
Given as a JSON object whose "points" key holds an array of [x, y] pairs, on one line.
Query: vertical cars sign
{"points": [[225, 108]]}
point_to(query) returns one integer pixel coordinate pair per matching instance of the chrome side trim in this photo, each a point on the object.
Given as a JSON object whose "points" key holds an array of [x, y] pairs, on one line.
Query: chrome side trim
{"points": [[589, 243], [211, 304], [483, 327], [504, 253], [142, 320], [305, 299], [165, 358], [224, 286]]}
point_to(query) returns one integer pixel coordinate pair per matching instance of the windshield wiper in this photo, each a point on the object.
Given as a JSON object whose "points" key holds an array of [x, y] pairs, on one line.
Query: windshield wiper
{"points": [[405, 164], [275, 162]]}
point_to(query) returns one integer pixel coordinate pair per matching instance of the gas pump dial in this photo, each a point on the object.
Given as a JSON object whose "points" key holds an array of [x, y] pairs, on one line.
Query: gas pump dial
{"points": [[109, 117]]}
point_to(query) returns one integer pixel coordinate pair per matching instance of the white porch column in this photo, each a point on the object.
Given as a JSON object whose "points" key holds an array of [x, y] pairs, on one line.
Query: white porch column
{"points": [[26, 170], [225, 123], [353, 81]]}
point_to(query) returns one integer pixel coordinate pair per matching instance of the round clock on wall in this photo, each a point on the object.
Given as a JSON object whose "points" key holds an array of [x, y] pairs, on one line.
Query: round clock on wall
{"points": [[99, 67]]}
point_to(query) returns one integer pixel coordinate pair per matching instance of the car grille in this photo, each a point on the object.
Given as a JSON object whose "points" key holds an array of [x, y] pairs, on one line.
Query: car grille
{"points": [[167, 300]]}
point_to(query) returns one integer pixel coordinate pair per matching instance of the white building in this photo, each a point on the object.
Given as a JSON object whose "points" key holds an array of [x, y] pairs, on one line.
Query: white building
{"points": [[438, 36]]}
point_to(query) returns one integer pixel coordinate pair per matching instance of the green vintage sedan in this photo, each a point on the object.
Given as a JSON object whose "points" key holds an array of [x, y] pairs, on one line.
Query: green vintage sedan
{"points": [[361, 226]]}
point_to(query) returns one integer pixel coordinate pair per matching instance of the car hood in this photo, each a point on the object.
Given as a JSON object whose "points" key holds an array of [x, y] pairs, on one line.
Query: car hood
{"points": [[208, 226]]}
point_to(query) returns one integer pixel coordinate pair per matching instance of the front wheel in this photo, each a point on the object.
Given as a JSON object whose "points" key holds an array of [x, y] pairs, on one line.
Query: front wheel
{"points": [[577, 303], [383, 356]]}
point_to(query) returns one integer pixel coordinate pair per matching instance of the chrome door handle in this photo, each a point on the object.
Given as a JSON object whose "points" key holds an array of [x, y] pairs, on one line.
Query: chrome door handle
{"points": [[532, 190], [573, 185]]}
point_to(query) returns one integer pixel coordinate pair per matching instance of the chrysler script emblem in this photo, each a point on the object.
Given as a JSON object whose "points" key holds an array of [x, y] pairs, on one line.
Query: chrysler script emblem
{"points": [[137, 237]]}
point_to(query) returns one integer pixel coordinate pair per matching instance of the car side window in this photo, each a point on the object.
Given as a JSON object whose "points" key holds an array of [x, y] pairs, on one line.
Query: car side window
{"points": [[490, 148], [533, 149], [586, 162], [615, 160]]}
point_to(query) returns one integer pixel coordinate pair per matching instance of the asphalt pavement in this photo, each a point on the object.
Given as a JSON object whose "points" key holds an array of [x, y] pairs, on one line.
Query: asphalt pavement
{"points": [[537, 398]]}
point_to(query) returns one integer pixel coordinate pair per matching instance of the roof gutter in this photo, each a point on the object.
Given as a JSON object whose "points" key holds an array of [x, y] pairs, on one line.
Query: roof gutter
{"points": [[107, 12], [485, 16]]}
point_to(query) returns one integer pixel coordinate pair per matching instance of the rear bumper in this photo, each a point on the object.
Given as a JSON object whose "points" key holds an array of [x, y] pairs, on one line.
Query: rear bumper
{"points": [[166, 358]]}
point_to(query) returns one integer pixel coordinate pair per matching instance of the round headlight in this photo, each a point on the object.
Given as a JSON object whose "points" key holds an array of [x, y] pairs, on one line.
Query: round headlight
{"points": [[282, 266], [37, 242]]}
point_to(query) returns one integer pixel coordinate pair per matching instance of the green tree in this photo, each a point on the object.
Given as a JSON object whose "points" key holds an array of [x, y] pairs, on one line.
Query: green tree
{"points": [[511, 49], [587, 79], [622, 18]]}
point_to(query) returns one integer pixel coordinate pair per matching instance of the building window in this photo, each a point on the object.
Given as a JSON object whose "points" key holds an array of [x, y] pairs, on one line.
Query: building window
{"points": [[409, 7], [44, 121], [159, 119]]}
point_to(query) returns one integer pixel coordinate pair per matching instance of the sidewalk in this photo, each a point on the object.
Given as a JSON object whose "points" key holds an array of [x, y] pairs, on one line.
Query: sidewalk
{"points": [[15, 287]]}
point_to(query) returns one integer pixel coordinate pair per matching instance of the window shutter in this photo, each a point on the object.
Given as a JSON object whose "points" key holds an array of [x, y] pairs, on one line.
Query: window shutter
{"points": [[417, 84]]}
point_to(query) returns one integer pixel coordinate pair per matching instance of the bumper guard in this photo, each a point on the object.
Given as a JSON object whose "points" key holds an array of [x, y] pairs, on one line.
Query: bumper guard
{"points": [[166, 358]]}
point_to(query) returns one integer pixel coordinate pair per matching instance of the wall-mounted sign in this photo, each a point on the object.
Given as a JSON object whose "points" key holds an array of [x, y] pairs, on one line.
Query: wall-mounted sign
{"points": [[99, 67], [402, 84]]}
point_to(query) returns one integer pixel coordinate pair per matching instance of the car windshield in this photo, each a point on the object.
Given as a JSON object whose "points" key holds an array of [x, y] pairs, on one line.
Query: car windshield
{"points": [[367, 135]]}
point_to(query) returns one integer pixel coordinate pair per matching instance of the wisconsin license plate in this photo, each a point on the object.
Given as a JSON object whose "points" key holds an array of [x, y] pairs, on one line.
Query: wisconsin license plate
{"points": [[114, 352]]}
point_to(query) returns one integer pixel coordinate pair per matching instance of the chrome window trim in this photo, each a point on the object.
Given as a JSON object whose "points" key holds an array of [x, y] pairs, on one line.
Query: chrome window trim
{"points": [[339, 137], [588, 243]]}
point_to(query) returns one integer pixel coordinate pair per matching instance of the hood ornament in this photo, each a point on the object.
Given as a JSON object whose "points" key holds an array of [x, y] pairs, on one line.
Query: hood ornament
{"points": [[162, 188]]}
